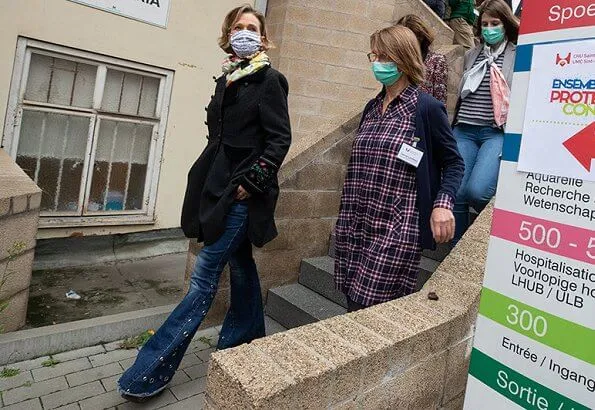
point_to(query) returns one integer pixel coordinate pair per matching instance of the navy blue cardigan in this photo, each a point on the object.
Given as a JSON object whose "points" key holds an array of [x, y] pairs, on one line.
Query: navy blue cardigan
{"points": [[441, 168]]}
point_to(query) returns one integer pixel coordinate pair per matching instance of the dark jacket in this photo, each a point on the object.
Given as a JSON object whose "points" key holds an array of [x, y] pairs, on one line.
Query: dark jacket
{"points": [[249, 136], [441, 168]]}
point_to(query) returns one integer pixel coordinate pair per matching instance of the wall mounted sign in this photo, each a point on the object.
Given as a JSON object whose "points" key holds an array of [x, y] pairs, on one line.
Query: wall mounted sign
{"points": [[534, 345], [149, 11]]}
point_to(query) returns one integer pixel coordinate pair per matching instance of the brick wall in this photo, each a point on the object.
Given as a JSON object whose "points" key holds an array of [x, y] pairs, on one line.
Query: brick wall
{"points": [[19, 214]]}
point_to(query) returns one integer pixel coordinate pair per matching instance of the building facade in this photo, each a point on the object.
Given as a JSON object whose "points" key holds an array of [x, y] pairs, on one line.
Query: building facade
{"points": [[102, 105]]}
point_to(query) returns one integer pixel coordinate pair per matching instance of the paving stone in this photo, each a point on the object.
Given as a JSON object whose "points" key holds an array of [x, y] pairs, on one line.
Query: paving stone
{"points": [[190, 359], [205, 355], [127, 363], [109, 399], [109, 383], [163, 400], [210, 333], [32, 404], [191, 388], [73, 406], [72, 395], [77, 354], [197, 346], [29, 364], [61, 369], [191, 403], [179, 378], [111, 357], [96, 373], [35, 390], [198, 371], [112, 346], [7, 383]]}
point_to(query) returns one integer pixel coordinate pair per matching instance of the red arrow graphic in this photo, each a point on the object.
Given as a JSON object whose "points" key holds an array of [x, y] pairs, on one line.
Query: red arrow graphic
{"points": [[582, 146]]}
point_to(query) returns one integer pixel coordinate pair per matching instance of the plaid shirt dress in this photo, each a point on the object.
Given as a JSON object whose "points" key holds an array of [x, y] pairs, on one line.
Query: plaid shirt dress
{"points": [[378, 247]]}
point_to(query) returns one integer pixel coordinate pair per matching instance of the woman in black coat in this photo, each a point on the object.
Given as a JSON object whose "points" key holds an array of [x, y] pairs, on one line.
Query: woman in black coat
{"points": [[229, 204]]}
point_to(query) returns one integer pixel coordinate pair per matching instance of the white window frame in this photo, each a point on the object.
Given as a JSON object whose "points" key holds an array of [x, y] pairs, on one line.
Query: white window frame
{"points": [[17, 104]]}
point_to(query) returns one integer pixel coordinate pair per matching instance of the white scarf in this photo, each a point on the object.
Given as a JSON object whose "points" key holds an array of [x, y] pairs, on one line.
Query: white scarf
{"points": [[473, 77]]}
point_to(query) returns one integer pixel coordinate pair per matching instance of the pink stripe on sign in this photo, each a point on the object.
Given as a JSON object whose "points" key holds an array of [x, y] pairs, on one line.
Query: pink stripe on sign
{"points": [[560, 239]]}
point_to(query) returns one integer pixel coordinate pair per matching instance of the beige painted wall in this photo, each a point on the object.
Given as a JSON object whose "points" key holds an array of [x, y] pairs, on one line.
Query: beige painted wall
{"points": [[188, 46]]}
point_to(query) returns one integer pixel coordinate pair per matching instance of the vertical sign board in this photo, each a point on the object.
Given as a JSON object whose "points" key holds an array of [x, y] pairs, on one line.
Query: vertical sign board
{"points": [[149, 11], [534, 344]]}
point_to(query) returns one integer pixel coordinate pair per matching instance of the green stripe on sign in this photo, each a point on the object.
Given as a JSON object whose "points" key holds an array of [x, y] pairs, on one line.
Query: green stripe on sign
{"points": [[516, 387], [553, 331]]}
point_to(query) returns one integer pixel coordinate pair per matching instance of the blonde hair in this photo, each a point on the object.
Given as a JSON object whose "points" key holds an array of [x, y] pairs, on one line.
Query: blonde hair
{"points": [[231, 19], [399, 44]]}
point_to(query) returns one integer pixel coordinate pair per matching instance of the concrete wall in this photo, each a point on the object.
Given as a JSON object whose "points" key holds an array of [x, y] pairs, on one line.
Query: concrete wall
{"points": [[188, 47], [19, 213], [411, 353]]}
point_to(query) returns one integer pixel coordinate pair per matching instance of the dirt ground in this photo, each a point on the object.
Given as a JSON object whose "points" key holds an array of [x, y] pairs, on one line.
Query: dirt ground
{"points": [[105, 289]]}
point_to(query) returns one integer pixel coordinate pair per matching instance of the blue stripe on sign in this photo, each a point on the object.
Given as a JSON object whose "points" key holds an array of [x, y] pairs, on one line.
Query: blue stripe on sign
{"points": [[511, 147], [524, 56]]}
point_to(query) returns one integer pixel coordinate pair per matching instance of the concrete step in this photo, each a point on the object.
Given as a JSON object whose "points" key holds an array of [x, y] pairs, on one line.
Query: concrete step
{"points": [[295, 305], [317, 274], [272, 326], [427, 266], [441, 252]]}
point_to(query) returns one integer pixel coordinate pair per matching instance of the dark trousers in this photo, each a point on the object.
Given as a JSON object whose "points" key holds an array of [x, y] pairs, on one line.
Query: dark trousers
{"points": [[437, 6], [160, 357]]}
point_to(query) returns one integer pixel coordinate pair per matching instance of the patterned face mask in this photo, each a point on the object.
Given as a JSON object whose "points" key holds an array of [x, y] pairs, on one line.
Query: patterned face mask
{"points": [[245, 43]]}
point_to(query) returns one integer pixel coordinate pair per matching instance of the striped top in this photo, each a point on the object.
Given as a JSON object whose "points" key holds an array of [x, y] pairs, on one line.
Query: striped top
{"points": [[477, 108]]}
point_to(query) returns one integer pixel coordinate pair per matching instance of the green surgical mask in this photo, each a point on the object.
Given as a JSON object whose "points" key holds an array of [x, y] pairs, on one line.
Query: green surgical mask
{"points": [[386, 73], [493, 35]]}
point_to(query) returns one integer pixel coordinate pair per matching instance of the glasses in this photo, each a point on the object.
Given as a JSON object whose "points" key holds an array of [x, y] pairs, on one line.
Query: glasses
{"points": [[372, 57]]}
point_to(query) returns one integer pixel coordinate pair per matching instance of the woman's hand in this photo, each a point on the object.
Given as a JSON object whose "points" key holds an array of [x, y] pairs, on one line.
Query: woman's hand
{"points": [[242, 194], [442, 223]]}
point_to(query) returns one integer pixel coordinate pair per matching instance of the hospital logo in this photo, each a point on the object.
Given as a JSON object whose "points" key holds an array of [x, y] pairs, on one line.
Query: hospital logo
{"points": [[562, 61]]}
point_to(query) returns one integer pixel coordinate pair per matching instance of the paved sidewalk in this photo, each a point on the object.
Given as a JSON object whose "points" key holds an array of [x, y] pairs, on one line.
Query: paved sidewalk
{"points": [[86, 379]]}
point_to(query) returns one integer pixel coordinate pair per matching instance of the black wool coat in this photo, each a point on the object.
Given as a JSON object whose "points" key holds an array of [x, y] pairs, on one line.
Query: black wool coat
{"points": [[249, 136]]}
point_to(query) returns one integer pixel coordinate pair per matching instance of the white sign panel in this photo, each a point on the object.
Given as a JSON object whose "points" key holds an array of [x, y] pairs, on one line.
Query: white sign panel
{"points": [[150, 11], [534, 345], [560, 115]]}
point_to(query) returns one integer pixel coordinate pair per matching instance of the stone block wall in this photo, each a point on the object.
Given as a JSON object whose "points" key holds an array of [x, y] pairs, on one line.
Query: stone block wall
{"points": [[322, 47], [411, 353], [20, 199]]}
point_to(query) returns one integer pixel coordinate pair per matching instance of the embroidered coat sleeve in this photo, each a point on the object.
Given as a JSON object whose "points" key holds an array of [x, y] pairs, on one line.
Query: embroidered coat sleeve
{"points": [[274, 117]]}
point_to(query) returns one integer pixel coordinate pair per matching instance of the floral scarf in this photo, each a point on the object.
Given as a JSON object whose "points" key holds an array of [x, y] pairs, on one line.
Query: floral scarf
{"points": [[234, 71]]}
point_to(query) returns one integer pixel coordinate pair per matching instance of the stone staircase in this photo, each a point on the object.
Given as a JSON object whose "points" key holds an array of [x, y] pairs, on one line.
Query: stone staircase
{"points": [[315, 298]]}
